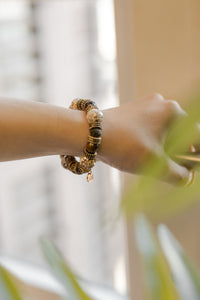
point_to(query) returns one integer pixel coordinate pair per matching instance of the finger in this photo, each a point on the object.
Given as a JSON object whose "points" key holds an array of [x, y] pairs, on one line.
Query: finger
{"points": [[159, 165], [156, 96], [176, 174], [182, 132], [174, 110]]}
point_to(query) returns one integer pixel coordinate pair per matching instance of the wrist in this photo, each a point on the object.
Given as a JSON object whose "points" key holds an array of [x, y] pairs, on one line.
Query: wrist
{"points": [[108, 138], [72, 132]]}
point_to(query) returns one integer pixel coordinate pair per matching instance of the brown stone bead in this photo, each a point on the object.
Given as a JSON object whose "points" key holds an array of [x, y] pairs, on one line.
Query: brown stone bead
{"points": [[91, 148], [95, 131]]}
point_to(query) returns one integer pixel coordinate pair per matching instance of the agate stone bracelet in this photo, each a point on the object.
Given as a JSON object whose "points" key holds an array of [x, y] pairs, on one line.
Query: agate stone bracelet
{"points": [[88, 158]]}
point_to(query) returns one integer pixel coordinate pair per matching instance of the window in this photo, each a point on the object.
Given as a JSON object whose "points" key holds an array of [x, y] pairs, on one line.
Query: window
{"points": [[65, 49]]}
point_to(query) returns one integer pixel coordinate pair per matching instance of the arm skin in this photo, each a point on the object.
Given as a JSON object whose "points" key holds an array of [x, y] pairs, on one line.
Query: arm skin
{"points": [[132, 132], [30, 129]]}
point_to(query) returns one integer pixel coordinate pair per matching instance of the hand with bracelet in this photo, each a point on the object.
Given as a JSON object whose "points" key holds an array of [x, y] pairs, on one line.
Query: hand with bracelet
{"points": [[130, 133]]}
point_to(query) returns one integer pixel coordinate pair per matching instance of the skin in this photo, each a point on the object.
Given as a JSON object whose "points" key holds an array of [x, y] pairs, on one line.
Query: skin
{"points": [[132, 133], [136, 131]]}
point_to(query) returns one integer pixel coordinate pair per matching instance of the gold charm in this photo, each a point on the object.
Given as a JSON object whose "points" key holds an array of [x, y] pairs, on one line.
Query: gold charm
{"points": [[90, 177]]}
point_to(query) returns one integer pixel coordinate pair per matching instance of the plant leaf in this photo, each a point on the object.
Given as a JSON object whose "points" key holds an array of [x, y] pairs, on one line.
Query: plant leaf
{"points": [[185, 275], [63, 271], [158, 199], [157, 276], [8, 290]]}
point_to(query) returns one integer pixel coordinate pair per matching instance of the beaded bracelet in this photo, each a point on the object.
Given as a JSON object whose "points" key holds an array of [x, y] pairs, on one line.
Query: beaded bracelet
{"points": [[88, 159]]}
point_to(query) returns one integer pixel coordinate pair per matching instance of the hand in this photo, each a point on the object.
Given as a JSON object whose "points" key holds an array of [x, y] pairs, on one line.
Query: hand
{"points": [[135, 132]]}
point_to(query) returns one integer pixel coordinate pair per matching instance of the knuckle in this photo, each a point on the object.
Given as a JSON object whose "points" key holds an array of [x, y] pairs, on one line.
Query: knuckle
{"points": [[158, 96], [174, 108]]}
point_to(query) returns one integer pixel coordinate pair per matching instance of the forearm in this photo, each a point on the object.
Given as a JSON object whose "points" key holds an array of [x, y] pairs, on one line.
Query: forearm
{"points": [[30, 129], [132, 133]]}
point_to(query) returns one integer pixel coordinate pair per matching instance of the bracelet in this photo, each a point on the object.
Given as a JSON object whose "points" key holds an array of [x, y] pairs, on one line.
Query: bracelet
{"points": [[88, 159]]}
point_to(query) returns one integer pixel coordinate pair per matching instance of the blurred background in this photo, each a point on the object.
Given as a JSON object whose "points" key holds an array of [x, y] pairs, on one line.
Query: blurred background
{"points": [[55, 51], [112, 51]]}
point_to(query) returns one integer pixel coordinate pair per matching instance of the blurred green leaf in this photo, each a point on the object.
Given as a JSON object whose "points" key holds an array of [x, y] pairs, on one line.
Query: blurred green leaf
{"points": [[158, 199], [184, 131], [63, 271], [185, 274], [157, 276], [182, 134], [8, 290]]}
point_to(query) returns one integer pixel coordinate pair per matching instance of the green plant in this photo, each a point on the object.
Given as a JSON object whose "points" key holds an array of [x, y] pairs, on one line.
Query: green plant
{"points": [[8, 289], [185, 274], [158, 282], [63, 272], [169, 273]]}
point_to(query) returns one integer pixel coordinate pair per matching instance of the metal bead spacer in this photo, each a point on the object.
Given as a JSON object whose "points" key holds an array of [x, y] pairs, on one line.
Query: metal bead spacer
{"points": [[81, 104], [90, 105], [94, 140], [95, 124], [79, 169]]}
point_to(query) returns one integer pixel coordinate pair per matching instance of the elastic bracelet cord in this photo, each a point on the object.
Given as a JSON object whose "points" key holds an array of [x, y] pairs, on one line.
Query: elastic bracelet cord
{"points": [[88, 158]]}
